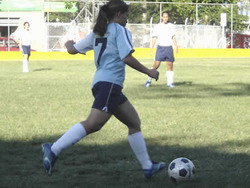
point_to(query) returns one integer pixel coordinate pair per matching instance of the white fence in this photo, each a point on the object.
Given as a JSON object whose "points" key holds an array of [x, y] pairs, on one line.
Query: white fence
{"points": [[188, 36]]}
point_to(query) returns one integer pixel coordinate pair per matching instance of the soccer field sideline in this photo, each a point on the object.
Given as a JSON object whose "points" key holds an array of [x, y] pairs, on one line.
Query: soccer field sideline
{"points": [[139, 53]]}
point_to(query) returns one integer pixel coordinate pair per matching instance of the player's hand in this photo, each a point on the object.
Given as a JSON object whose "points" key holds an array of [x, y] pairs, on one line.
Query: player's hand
{"points": [[153, 73], [69, 44], [70, 47]]}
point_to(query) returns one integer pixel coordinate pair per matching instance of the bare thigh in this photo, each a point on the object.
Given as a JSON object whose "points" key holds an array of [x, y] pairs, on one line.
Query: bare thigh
{"points": [[127, 114], [96, 120]]}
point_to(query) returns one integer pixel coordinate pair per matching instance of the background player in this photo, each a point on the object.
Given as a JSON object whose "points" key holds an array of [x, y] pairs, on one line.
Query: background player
{"points": [[164, 34], [24, 45]]}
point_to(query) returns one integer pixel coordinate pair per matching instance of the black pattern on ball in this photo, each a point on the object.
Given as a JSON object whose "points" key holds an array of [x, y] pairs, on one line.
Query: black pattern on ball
{"points": [[185, 160], [172, 166], [183, 172]]}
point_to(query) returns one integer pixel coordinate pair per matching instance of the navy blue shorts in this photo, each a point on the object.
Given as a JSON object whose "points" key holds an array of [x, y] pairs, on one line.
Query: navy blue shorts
{"points": [[108, 96], [26, 50], [164, 53]]}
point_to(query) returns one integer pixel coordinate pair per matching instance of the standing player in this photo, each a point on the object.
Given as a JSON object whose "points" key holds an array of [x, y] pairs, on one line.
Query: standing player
{"points": [[24, 45], [111, 43], [164, 34]]}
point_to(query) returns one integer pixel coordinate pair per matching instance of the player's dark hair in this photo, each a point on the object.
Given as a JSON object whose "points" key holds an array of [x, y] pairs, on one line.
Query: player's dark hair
{"points": [[107, 12], [26, 23], [165, 12]]}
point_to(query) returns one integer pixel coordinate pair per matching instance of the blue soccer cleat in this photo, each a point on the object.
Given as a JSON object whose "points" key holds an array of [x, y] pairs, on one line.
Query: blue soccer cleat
{"points": [[49, 158], [148, 83], [156, 167]]}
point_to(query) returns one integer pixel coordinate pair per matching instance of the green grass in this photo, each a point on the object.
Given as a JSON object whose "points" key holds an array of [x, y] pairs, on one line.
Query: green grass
{"points": [[205, 118]]}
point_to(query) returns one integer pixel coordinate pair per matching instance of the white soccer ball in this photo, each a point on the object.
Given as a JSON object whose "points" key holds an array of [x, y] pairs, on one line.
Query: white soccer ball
{"points": [[181, 169]]}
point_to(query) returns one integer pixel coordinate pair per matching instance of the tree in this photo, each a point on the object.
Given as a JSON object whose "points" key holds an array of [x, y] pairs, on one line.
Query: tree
{"points": [[208, 13]]}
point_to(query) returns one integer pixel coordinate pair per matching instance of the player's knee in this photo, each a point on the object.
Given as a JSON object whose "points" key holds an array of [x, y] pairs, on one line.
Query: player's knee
{"points": [[92, 126], [136, 125], [132, 130]]}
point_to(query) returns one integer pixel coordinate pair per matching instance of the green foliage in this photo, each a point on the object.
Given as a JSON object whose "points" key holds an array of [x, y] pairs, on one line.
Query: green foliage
{"points": [[136, 13], [207, 13], [142, 13], [65, 17]]}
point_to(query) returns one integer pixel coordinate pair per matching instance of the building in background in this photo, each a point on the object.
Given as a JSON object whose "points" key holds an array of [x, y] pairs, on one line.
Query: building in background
{"points": [[13, 13]]}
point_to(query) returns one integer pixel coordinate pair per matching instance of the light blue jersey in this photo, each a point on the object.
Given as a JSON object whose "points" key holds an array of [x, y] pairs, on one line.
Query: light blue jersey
{"points": [[109, 52]]}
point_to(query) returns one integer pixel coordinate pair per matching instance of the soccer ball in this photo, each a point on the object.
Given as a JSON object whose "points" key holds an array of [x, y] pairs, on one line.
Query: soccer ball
{"points": [[181, 169]]}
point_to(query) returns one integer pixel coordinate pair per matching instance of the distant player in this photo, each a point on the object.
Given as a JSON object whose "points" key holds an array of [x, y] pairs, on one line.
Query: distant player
{"points": [[113, 49], [24, 45], [164, 34]]}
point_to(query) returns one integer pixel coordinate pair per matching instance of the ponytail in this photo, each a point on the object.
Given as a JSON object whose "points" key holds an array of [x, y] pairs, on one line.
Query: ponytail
{"points": [[102, 21], [106, 13]]}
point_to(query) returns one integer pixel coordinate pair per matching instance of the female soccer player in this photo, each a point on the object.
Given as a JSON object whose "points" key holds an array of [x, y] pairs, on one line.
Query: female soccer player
{"points": [[111, 43], [164, 33], [24, 45]]}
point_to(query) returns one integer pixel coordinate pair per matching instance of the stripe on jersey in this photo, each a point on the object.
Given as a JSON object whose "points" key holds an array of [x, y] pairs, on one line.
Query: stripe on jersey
{"points": [[126, 33]]}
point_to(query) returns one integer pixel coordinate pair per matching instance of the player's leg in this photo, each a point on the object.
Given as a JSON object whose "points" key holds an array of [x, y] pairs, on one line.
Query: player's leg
{"points": [[170, 66], [170, 74], [25, 63], [128, 115], [99, 115], [29, 50], [25, 58], [156, 65], [93, 123]]}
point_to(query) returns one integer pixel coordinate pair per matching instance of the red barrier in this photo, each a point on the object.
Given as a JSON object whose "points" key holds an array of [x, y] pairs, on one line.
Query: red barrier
{"points": [[239, 41]]}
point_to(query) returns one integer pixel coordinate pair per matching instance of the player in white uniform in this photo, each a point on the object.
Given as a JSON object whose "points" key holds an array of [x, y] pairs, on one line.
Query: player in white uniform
{"points": [[111, 43], [164, 34], [24, 45]]}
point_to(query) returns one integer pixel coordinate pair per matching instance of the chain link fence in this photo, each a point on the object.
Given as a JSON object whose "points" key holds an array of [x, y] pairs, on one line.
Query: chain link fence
{"points": [[188, 36]]}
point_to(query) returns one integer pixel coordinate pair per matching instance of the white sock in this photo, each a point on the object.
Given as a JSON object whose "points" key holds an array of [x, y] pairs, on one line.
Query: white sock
{"points": [[170, 77], [138, 145], [72, 136], [149, 78], [25, 66]]}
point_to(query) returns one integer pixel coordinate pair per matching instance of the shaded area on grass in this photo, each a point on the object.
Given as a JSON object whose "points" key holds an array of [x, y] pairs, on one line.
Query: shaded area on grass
{"points": [[41, 69], [191, 89], [114, 165]]}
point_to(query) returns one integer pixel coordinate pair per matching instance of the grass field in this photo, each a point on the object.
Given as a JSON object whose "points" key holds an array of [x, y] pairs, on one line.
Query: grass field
{"points": [[205, 118]]}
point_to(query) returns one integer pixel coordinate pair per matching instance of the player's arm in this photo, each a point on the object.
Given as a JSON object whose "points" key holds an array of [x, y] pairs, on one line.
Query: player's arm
{"points": [[20, 45], [70, 47], [135, 64], [154, 39], [175, 44], [82, 46], [153, 42]]}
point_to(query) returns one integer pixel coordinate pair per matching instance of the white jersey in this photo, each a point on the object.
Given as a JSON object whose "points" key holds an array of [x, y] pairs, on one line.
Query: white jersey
{"points": [[25, 37], [164, 34]]}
